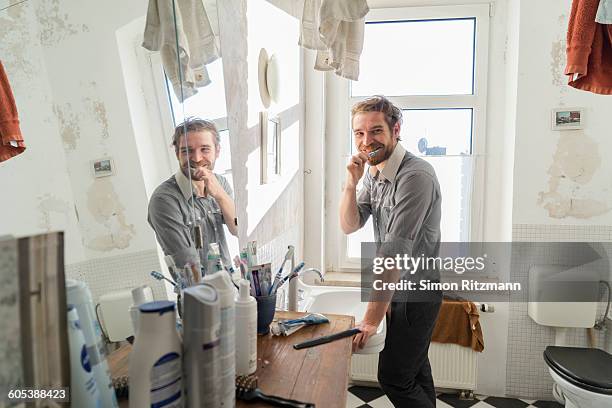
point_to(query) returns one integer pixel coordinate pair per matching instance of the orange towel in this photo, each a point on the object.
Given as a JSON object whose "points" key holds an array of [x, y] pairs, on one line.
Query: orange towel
{"points": [[11, 141], [589, 49], [458, 324]]}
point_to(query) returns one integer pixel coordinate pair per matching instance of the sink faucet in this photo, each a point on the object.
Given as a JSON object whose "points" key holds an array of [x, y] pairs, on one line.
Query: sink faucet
{"points": [[293, 283]]}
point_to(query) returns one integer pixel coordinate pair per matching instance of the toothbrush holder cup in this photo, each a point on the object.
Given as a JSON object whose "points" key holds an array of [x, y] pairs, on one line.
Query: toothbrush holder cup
{"points": [[266, 306]]}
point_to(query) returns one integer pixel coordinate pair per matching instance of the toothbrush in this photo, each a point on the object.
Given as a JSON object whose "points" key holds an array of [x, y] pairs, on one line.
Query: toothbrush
{"points": [[374, 152], [159, 276], [291, 275], [279, 274]]}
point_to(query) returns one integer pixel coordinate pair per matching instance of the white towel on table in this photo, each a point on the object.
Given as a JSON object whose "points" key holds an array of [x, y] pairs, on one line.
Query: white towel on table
{"points": [[197, 43]]}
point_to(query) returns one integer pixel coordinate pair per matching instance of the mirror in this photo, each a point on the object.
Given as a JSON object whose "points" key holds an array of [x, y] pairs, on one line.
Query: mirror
{"points": [[98, 112]]}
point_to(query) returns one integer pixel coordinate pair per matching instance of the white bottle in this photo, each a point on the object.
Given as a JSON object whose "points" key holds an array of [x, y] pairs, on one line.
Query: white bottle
{"points": [[78, 294], [84, 391], [246, 331], [201, 344], [227, 292], [155, 368], [140, 295]]}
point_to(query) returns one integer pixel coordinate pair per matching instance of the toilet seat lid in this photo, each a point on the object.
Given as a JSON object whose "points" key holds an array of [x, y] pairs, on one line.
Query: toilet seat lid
{"points": [[587, 368]]}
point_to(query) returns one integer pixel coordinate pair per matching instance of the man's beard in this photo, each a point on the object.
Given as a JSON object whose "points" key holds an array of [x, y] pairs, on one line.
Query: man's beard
{"points": [[190, 169]]}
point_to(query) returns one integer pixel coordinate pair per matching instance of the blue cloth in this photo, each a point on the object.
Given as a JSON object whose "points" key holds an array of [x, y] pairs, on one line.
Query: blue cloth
{"points": [[604, 12]]}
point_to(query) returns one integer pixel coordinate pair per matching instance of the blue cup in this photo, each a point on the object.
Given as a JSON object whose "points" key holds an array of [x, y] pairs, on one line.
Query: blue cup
{"points": [[266, 306]]}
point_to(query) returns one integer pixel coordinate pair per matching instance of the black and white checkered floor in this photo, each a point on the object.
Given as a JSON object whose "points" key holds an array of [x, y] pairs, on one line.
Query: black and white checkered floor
{"points": [[364, 397]]}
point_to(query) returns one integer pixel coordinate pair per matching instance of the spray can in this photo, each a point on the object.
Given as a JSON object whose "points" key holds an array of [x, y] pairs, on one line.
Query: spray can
{"points": [[155, 369], [227, 292], [201, 344], [84, 391], [78, 294]]}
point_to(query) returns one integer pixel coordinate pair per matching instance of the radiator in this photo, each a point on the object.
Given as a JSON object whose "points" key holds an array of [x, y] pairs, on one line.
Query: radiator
{"points": [[452, 366]]}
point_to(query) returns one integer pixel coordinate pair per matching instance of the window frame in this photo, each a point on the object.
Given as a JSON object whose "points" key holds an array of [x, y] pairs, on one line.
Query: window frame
{"points": [[477, 102]]}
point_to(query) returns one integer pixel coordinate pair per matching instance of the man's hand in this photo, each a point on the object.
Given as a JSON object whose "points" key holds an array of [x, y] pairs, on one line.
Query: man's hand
{"points": [[367, 330], [356, 167], [211, 184]]}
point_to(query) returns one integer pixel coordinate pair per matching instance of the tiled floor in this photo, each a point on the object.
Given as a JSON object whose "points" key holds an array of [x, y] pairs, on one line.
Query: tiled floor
{"points": [[364, 397]]}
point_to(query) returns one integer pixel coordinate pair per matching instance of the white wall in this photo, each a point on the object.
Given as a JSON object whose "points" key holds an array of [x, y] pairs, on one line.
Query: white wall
{"points": [[272, 212], [560, 178], [37, 194]]}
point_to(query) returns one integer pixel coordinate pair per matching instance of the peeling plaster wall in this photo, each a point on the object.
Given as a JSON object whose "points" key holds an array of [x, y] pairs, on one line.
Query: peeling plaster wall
{"points": [[265, 213], [562, 190], [90, 103], [37, 194], [560, 178]]}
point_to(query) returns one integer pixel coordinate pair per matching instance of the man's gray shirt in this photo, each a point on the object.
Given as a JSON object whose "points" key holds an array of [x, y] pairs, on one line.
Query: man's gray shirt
{"points": [[172, 218], [405, 203]]}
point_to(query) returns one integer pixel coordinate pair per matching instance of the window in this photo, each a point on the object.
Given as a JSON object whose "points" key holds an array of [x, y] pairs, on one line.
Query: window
{"points": [[209, 103], [432, 63]]}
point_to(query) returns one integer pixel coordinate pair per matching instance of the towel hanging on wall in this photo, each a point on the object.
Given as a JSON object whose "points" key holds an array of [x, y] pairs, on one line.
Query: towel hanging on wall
{"points": [[335, 29], [11, 140], [589, 49], [197, 35]]}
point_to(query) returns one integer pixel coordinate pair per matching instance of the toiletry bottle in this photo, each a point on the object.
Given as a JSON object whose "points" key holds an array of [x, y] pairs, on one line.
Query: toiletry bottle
{"points": [[214, 257], [246, 331], [140, 295], [201, 345], [155, 365], [84, 391], [78, 294], [227, 292]]}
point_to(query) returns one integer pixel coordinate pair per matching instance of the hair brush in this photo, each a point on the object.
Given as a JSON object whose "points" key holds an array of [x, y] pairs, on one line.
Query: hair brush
{"points": [[246, 390]]}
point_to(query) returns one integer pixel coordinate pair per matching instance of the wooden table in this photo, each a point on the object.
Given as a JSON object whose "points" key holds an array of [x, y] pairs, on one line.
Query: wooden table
{"points": [[318, 374]]}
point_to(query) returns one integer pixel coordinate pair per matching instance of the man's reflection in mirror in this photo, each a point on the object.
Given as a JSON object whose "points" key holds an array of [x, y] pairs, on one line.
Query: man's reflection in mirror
{"points": [[188, 210]]}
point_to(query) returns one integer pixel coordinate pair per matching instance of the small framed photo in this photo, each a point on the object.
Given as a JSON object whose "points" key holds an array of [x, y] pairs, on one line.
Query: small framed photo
{"points": [[270, 148], [103, 167], [567, 118]]}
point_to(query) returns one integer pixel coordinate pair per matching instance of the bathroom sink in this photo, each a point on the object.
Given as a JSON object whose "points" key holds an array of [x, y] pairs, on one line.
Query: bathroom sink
{"points": [[346, 301]]}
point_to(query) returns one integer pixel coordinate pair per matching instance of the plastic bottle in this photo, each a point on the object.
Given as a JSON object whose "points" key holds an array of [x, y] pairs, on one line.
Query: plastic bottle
{"points": [[78, 294], [246, 331], [227, 292], [155, 367], [84, 391], [201, 344], [140, 295]]}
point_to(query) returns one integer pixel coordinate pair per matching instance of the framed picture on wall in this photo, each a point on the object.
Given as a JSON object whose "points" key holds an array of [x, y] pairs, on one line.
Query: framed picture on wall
{"points": [[103, 167], [270, 147], [567, 118]]}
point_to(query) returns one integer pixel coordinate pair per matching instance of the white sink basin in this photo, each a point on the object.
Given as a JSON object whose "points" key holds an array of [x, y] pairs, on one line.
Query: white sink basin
{"points": [[347, 301]]}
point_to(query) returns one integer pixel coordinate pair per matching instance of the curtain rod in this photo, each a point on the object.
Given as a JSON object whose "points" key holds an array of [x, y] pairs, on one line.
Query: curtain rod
{"points": [[11, 5]]}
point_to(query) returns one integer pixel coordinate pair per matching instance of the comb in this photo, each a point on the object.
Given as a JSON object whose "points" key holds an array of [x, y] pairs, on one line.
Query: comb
{"points": [[246, 390]]}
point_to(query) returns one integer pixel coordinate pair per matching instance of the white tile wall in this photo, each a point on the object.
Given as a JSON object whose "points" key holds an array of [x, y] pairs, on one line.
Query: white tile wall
{"points": [[104, 275], [526, 373]]}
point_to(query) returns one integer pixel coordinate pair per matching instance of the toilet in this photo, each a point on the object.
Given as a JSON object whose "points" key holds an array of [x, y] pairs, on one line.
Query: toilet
{"points": [[583, 376]]}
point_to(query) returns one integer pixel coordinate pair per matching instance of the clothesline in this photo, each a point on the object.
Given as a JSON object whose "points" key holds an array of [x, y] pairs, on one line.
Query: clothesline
{"points": [[11, 5]]}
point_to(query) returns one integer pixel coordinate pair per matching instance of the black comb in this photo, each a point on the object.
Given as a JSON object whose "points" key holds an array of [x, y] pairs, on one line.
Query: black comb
{"points": [[246, 390]]}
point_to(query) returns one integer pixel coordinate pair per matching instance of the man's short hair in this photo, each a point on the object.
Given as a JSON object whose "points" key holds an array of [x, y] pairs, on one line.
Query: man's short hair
{"points": [[193, 124], [379, 103]]}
